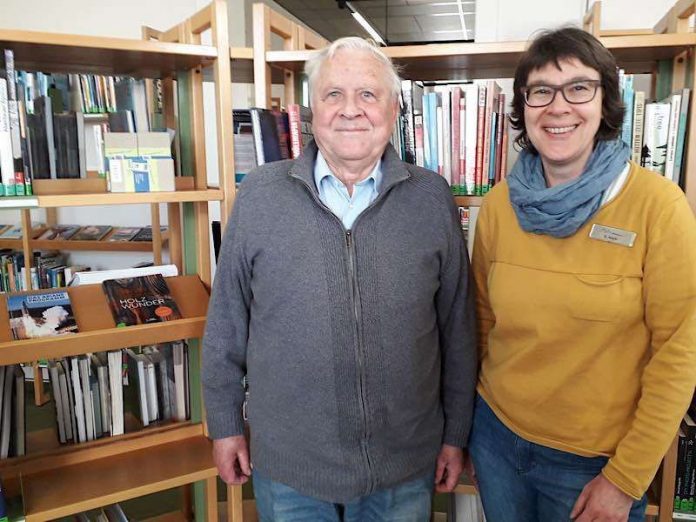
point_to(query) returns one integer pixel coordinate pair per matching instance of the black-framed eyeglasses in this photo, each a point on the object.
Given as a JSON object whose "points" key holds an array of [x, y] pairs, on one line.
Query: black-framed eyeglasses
{"points": [[575, 92]]}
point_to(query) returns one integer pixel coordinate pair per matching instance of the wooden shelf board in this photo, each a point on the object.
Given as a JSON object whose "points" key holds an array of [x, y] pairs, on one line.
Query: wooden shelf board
{"points": [[97, 330], [468, 201], [92, 484], [113, 198], [461, 61], [68, 53], [174, 516], [91, 246]]}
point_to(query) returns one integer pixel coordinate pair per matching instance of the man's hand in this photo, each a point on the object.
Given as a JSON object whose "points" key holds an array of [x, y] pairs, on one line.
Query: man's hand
{"points": [[601, 501], [450, 463], [231, 456]]}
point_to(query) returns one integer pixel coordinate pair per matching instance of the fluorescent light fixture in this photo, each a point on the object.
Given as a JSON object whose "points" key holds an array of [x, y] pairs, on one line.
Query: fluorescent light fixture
{"points": [[451, 14], [461, 19], [365, 24]]}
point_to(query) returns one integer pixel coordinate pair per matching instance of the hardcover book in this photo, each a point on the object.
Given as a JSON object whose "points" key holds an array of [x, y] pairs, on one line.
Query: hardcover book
{"points": [[92, 233], [41, 315], [140, 300], [57, 232], [124, 233]]}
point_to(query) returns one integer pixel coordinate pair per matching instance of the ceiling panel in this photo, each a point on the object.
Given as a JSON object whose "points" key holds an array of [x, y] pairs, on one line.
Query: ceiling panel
{"points": [[409, 21]]}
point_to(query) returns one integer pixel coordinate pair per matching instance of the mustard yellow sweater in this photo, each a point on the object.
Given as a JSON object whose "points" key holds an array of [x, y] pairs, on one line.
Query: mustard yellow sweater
{"points": [[587, 346]]}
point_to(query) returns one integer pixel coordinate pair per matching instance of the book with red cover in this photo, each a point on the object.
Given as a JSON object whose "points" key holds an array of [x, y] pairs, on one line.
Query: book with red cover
{"points": [[140, 300]]}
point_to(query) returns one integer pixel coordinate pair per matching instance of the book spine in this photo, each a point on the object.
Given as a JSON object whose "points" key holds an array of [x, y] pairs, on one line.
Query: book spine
{"points": [[455, 147], [675, 105], [418, 133], [409, 137], [7, 169], [499, 137], [638, 113], [480, 135]]}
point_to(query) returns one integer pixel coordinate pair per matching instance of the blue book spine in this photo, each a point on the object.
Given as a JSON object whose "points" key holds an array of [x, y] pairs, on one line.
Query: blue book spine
{"points": [[627, 130], [432, 130]]}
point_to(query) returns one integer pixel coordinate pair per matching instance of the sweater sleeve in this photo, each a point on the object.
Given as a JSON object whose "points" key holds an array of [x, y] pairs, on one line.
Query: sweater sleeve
{"points": [[457, 327], [667, 384], [481, 267], [225, 338]]}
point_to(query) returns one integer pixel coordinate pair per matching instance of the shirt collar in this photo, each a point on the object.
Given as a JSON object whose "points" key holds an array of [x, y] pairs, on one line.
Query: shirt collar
{"points": [[322, 170]]}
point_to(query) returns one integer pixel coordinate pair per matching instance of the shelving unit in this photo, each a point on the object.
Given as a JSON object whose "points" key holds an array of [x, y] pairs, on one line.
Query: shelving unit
{"points": [[60, 481], [637, 51]]}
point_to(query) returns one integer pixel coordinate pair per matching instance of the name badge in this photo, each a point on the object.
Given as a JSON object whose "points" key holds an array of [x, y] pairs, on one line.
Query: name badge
{"points": [[613, 235]]}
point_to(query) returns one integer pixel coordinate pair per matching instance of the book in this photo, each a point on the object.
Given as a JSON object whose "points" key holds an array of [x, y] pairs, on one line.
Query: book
{"points": [[140, 300], [98, 276], [92, 233], [41, 314], [59, 232], [145, 234], [123, 233]]}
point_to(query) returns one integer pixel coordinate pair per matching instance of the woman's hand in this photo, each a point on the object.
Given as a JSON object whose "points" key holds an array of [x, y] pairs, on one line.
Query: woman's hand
{"points": [[601, 501]]}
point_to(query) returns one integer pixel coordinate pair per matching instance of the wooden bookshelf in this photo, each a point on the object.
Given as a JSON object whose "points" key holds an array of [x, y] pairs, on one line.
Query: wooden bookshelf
{"points": [[464, 61], [68, 53], [94, 483], [97, 329]]}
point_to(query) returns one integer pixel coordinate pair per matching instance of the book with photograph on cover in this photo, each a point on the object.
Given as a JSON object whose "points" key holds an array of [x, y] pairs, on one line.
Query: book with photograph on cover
{"points": [[140, 300], [41, 315]]}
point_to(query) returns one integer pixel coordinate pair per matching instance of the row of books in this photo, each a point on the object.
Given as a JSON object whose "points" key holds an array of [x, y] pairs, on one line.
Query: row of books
{"points": [[12, 412], [82, 233], [48, 270], [458, 131], [656, 130], [88, 390], [685, 484], [53, 125], [262, 136]]}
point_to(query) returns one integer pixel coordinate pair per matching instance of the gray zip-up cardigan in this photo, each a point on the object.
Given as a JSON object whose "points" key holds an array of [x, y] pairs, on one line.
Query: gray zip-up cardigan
{"points": [[359, 345]]}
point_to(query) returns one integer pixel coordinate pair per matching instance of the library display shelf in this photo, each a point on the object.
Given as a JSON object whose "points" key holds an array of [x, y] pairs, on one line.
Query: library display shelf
{"points": [[96, 326]]}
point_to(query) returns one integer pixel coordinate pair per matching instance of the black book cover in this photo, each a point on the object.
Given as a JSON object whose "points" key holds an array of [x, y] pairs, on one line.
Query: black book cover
{"points": [[67, 151], [140, 300]]}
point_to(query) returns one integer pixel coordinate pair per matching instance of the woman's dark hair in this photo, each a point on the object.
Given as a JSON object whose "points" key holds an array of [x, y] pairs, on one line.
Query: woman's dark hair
{"points": [[562, 44]]}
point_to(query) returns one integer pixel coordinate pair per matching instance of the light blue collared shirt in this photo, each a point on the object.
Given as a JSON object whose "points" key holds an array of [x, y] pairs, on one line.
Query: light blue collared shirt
{"points": [[334, 194]]}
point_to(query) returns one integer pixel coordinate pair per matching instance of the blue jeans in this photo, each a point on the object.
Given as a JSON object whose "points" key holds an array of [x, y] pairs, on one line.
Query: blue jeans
{"points": [[520, 481], [408, 502]]}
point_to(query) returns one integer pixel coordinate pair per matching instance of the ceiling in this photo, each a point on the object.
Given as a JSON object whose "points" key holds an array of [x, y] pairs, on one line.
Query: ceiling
{"points": [[397, 21]]}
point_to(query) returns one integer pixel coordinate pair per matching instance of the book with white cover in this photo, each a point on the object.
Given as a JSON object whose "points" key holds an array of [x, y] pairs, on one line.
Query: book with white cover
{"points": [[115, 363], [99, 276]]}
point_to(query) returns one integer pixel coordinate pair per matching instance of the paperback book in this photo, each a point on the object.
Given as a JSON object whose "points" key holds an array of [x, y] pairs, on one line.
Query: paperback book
{"points": [[140, 300], [42, 314]]}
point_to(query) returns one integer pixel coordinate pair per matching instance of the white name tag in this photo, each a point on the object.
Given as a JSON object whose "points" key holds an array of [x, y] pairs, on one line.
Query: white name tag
{"points": [[613, 235]]}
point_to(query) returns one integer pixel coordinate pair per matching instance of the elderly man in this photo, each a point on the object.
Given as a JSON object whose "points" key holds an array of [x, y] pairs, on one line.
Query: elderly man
{"points": [[343, 293]]}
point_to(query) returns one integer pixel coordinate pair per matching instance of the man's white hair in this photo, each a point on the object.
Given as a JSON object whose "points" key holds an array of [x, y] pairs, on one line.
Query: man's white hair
{"points": [[355, 43]]}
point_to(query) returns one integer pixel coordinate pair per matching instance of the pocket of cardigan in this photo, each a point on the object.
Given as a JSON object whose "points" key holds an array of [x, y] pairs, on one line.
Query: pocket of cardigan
{"points": [[596, 297]]}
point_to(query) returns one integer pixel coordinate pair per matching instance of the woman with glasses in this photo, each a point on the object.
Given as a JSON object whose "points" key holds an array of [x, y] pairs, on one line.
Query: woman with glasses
{"points": [[585, 268]]}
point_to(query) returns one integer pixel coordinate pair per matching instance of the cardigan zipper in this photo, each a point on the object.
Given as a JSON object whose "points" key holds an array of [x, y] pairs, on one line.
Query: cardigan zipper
{"points": [[355, 299]]}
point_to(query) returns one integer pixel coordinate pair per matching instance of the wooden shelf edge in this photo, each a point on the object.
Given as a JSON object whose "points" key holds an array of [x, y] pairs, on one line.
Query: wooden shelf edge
{"points": [[113, 198], [101, 42], [71, 454], [116, 478], [99, 340], [468, 201], [88, 246]]}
